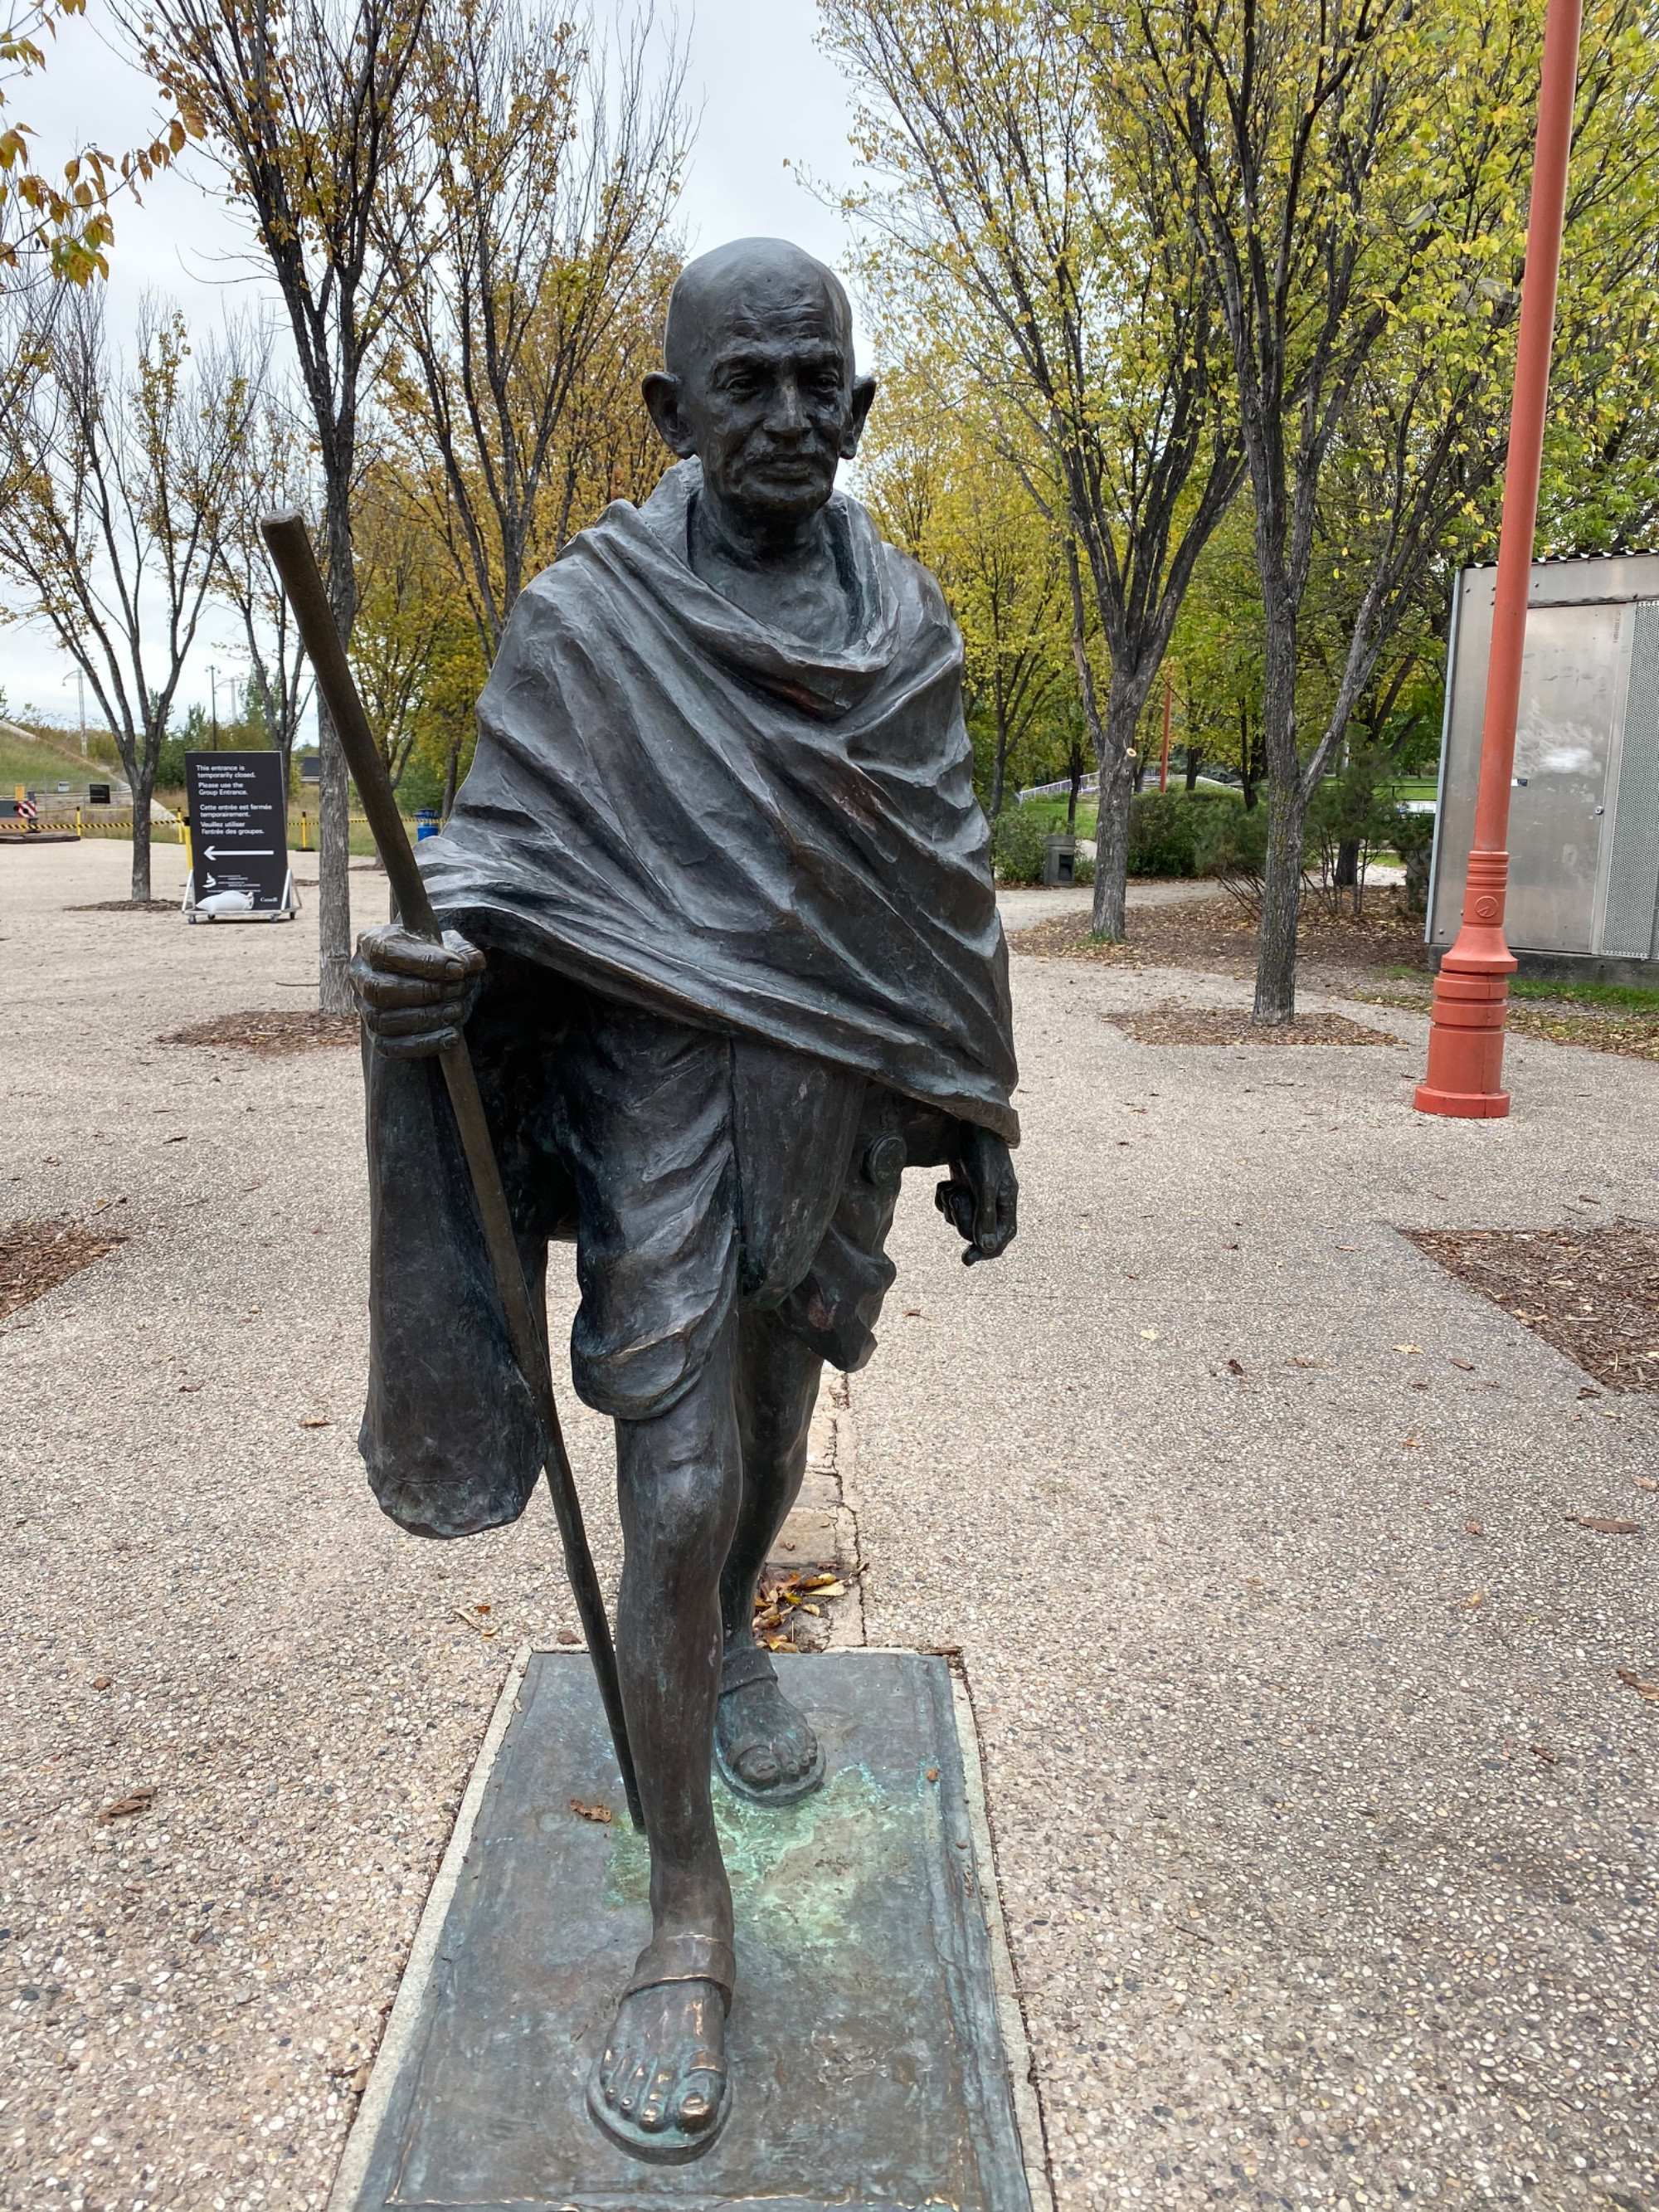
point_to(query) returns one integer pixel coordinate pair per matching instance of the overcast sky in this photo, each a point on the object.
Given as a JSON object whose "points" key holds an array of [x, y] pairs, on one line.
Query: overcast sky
{"points": [[767, 97]]}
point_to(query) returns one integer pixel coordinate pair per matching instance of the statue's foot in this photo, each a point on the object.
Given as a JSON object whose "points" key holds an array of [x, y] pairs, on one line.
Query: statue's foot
{"points": [[659, 2088], [765, 1747]]}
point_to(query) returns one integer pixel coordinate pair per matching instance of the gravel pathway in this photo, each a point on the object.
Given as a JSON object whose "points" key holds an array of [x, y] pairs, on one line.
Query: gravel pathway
{"points": [[1323, 1822], [1328, 1887]]}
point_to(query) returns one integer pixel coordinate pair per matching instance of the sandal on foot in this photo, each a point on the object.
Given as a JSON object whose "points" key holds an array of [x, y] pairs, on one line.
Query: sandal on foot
{"points": [[742, 1665], [675, 1959]]}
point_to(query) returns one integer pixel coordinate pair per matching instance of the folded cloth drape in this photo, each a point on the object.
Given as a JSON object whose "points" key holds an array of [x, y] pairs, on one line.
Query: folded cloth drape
{"points": [[681, 808]]}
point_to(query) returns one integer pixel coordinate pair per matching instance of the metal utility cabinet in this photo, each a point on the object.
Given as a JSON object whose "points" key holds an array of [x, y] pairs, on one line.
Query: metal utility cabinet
{"points": [[1584, 895]]}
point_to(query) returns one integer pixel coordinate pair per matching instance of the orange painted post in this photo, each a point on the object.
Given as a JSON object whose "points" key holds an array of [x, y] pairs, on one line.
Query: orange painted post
{"points": [[1163, 765], [1465, 1074]]}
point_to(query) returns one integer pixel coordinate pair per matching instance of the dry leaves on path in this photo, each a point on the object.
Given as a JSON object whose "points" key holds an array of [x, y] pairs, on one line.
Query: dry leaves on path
{"points": [[269, 1034], [1591, 1293], [35, 1256], [1219, 937], [781, 1597], [1232, 1025], [123, 1808]]}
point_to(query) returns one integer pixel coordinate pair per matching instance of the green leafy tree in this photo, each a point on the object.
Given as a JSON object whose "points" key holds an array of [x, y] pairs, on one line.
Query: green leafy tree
{"points": [[302, 106], [1358, 177], [1026, 220]]}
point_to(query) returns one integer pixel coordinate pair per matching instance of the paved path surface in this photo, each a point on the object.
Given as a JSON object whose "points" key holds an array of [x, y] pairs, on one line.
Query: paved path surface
{"points": [[1300, 1916]]}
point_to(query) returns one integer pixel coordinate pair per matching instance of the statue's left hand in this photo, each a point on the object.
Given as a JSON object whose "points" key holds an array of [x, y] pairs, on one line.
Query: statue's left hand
{"points": [[983, 1196]]}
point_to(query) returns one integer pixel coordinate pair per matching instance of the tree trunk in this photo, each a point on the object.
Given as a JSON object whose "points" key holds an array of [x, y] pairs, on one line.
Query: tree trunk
{"points": [[142, 787], [1195, 762], [1117, 782], [999, 764], [1347, 878], [333, 794], [1287, 808]]}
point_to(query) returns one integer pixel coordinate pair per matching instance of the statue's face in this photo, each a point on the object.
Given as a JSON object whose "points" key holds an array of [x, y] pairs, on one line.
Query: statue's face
{"points": [[767, 397]]}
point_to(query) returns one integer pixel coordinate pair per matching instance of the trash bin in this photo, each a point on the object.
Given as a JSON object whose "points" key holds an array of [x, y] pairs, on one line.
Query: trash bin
{"points": [[427, 823], [1058, 861]]}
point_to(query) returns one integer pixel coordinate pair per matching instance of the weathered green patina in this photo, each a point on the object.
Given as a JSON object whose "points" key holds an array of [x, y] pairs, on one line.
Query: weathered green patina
{"points": [[867, 2062]]}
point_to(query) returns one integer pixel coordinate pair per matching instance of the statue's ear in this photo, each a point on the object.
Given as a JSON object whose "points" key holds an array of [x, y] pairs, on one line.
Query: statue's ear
{"points": [[662, 400], [864, 391]]}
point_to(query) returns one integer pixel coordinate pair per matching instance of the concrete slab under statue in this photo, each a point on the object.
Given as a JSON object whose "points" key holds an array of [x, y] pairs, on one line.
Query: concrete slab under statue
{"points": [[876, 2054]]}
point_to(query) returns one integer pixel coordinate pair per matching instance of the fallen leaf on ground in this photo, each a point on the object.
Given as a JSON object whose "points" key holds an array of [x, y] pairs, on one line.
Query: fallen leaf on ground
{"points": [[1632, 1681], [1411, 1443], [1473, 1527], [932, 1774], [1605, 1527], [913, 1313], [1587, 1393], [1542, 1751], [1475, 1598], [1467, 1366], [1408, 1347], [102, 1681], [123, 1808], [1646, 1482], [569, 1636], [193, 1386], [360, 2080], [601, 1813], [1234, 1367], [318, 1421], [477, 1627]]}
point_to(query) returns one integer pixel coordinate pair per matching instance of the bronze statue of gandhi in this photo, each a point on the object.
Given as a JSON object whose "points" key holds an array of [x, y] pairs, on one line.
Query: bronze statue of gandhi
{"points": [[721, 928]]}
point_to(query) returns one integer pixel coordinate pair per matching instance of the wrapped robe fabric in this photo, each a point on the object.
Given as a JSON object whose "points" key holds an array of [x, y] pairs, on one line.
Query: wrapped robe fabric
{"points": [[745, 963], [680, 807]]}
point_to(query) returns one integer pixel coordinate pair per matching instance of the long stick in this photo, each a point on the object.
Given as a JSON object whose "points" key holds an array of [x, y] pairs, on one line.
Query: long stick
{"points": [[290, 549]]}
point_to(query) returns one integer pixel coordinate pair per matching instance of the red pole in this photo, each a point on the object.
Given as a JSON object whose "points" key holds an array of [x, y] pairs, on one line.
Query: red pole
{"points": [[1163, 765], [1471, 991]]}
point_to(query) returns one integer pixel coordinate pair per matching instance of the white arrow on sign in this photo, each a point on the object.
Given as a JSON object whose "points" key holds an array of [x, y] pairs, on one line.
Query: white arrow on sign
{"points": [[240, 853]]}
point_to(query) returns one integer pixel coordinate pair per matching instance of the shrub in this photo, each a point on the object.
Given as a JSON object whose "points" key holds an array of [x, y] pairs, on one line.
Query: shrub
{"points": [[1412, 835], [1168, 830], [1017, 845]]}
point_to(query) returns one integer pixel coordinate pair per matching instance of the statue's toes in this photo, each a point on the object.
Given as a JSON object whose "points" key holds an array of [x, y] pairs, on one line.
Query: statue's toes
{"points": [[634, 2080], [653, 2111], [700, 2102], [758, 1765]]}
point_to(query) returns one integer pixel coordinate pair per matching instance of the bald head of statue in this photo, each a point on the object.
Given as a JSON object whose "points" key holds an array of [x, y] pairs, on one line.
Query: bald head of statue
{"points": [[758, 382]]}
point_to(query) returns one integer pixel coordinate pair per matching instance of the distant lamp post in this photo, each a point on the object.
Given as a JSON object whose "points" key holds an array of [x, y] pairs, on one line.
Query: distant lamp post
{"points": [[79, 679], [213, 692]]}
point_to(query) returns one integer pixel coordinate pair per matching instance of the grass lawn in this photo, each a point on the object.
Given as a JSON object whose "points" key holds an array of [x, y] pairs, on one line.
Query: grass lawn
{"points": [[42, 767]]}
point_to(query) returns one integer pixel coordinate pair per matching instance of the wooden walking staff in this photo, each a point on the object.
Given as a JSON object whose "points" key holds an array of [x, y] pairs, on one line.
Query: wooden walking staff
{"points": [[1465, 1074], [290, 549]]}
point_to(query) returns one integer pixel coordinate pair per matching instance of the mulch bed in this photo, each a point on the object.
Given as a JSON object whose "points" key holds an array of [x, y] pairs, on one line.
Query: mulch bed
{"points": [[35, 1256], [126, 906], [1217, 936], [1177, 1024], [1593, 1294], [303, 1030]]}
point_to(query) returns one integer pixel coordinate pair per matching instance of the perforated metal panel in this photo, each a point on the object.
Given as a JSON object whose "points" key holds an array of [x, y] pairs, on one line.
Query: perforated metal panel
{"points": [[1633, 876]]}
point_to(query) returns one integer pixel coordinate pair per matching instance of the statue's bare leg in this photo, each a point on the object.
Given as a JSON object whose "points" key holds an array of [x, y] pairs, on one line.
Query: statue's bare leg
{"points": [[767, 1747], [659, 2085]]}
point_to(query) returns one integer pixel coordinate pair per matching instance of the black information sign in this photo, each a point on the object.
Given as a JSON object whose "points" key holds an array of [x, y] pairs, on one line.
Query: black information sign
{"points": [[238, 835]]}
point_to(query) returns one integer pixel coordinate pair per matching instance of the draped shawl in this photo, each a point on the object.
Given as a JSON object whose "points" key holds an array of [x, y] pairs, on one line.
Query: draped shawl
{"points": [[681, 807]]}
